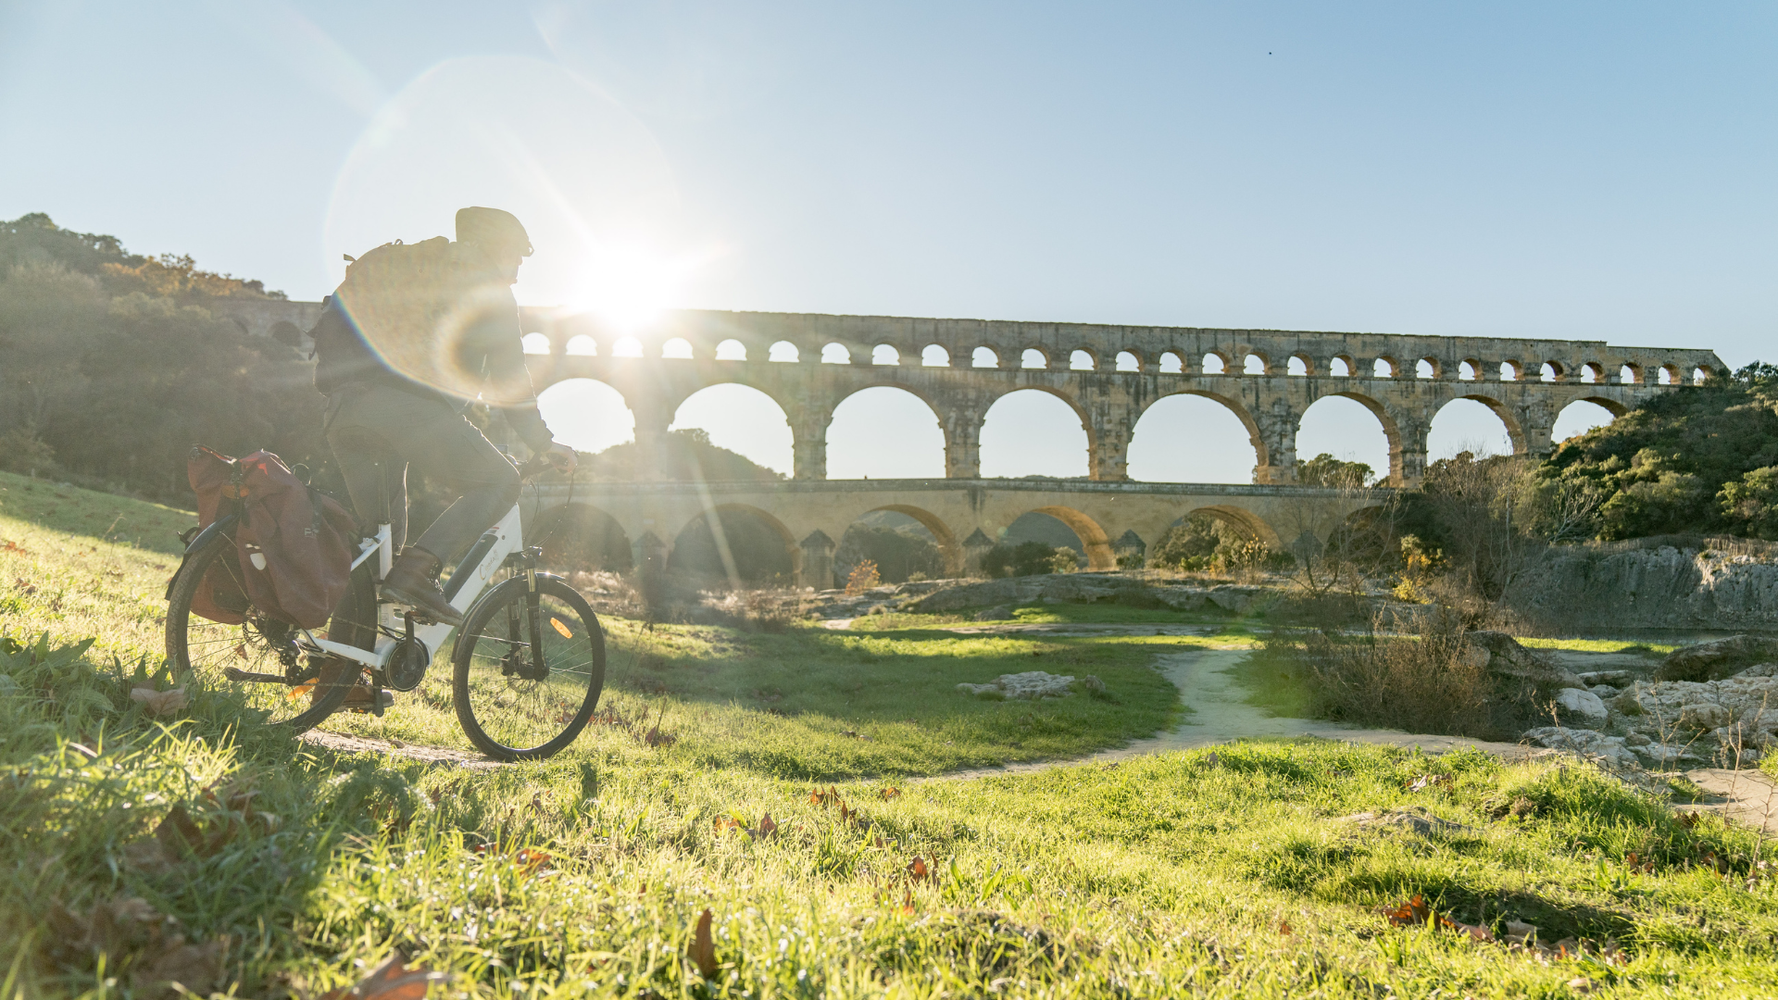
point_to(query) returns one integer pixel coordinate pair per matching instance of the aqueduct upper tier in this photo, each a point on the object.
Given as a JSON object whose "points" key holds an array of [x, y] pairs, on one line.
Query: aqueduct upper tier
{"points": [[809, 363]]}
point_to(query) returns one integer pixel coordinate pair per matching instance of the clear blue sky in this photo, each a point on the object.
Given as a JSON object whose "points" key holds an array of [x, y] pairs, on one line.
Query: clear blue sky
{"points": [[1600, 170]]}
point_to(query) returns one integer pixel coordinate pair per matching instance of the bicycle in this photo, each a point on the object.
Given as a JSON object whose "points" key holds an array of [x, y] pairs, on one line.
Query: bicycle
{"points": [[528, 663]]}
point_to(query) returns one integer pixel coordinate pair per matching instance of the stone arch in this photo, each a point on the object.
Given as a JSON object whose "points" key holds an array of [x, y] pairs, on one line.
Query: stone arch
{"points": [[948, 545], [984, 357], [1092, 537], [1552, 371], [731, 350], [935, 356], [792, 551], [1255, 363], [756, 444], [1571, 421], [1347, 366], [1469, 370], [1082, 360], [835, 353], [1214, 363], [1429, 367], [783, 352], [1261, 455], [1242, 520], [841, 451], [885, 354], [1700, 374], [582, 536], [587, 414], [1669, 374], [1515, 434], [1172, 363], [1592, 373], [1034, 359], [1385, 367], [535, 343], [1391, 428], [581, 345], [1512, 371], [1300, 363], [1629, 373], [1129, 361], [676, 349], [1067, 400]]}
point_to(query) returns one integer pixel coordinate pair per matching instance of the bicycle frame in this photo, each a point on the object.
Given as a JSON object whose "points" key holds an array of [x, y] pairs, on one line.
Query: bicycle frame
{"points": [[471, 577]]}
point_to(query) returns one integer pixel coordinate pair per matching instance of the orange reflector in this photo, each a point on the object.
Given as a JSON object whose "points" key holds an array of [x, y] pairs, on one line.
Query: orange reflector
{"points": [[301, 689], [557, 622]]}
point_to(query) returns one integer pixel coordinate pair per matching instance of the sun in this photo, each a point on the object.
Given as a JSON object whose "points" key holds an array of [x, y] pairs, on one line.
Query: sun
{"points": [[629, 284]]}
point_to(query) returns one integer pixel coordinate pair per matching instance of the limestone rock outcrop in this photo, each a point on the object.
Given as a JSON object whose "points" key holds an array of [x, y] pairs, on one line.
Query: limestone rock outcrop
{"points": [[1028, 686], [1666, 586], [1710, 661]]}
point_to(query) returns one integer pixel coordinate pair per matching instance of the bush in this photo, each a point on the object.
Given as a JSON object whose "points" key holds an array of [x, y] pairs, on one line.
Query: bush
{"points": [[1424, 682], [1027, 559]]}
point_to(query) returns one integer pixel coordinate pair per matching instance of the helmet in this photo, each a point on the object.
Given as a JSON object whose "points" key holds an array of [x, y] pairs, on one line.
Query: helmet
{"points": [[492, 227]]}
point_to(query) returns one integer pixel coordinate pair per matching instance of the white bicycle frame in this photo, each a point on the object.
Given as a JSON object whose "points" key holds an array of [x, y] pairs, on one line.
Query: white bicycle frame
{"points": [[508, 539]]}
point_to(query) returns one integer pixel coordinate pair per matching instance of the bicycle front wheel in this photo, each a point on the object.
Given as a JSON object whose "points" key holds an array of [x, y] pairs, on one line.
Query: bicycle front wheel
{"points": [[529, 666]]}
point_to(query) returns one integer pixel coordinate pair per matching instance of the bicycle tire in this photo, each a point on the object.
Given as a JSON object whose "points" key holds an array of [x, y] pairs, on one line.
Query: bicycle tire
{"points": [[506, 715], [259, 645]]}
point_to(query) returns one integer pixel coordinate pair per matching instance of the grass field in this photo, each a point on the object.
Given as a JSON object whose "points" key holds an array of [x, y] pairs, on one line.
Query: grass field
{"points": [[287, 871]]}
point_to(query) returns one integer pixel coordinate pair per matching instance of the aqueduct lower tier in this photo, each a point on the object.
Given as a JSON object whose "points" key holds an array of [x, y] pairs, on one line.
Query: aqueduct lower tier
{"points": [[1108, 374], [963, 515]]}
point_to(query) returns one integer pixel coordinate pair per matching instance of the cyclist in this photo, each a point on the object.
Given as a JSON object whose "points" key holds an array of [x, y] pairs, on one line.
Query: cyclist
{"points": [[388, 408]]}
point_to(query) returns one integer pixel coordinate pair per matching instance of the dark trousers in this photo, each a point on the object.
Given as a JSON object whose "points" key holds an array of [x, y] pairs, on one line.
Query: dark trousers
{"points": [[377, 432]]}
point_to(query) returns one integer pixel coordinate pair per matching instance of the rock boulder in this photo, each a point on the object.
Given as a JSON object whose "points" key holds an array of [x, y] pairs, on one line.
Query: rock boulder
{"points": [[1712, 661]]}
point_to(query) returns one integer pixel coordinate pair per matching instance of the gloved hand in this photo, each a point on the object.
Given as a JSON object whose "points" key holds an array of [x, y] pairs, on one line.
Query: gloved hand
{"points": [[560, 457]]}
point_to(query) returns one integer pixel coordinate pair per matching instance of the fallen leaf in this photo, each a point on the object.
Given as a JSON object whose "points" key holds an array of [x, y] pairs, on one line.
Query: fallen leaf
{"points": [[727, 823], [1519, 932], [1284, 927], [1581, 984], [392, 980], [917, 869], [889, 793], [531, 861], [159, 702], [703, 947], [767, 825], [907, 901], [1426, 781], [1414, 911], [1476, 932]]}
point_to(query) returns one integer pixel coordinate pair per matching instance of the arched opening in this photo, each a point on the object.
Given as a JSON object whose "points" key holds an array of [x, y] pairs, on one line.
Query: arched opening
{"points": [[935, 356], [1700, 375], [1031, 357], [740, 546], [1128, 362], [627, 347], [1081, 361], [984, 357], [1029, 432], [1297, 365], [1255, 364], [1583, 415], [586, 414], [1213, 364], [885, 433], [1592, 373], [1669, 375], [1630, 375], [1192, 438], [1172, 363], [677, 348], [1510, 371], [1340, 366], [783, 351], [1426, 368], [1347, 429], [731, 350], [836, 354], [1469, 370], [738, 419], [1470, 425], [883, 354], [1549, 372], [1383, 368], [905, 543], [1052, 528], [581, 538], [582, 346], [1217, 539], [535, 343]]}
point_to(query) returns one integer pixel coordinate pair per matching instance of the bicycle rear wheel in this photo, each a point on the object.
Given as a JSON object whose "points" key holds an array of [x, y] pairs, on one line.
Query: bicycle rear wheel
{"points": [[529, 667], [257, 662]]}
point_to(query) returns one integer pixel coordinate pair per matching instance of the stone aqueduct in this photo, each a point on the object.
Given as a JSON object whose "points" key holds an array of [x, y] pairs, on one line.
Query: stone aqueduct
{"points": [[1108, 375]]}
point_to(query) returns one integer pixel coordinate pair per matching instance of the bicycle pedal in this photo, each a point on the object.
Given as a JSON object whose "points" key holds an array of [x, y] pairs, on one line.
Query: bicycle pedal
{"points": [[385, 699]]}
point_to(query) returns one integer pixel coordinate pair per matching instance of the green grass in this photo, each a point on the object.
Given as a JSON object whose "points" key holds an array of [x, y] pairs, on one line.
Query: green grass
{"points": [[1109, 613], [1160, 876], [1650, 649]]}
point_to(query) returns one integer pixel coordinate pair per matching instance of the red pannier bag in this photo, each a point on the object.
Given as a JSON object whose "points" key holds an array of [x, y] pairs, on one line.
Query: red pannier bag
{"points": [[293, 545]]}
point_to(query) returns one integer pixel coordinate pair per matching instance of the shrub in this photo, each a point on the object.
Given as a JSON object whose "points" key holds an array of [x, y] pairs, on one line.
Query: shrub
{"points": [[1422, 682], [863, 577], [1027, 559]]}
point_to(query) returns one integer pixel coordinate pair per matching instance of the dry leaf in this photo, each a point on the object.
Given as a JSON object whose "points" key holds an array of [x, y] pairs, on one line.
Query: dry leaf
{"points": [[889, 793], [1284, 927], [231, 811], [917, 869], [159, 702], [727, 823], [531, 861], [1519, 932], [907, 901], [825, 798], [392, 980], [703, 947], [1476, 932], [767, 825], [1414, 911]]}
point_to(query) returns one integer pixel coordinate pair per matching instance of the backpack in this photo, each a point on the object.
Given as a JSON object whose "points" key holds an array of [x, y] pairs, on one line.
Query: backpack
{"points": [[399, 316], [293, 544]]}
